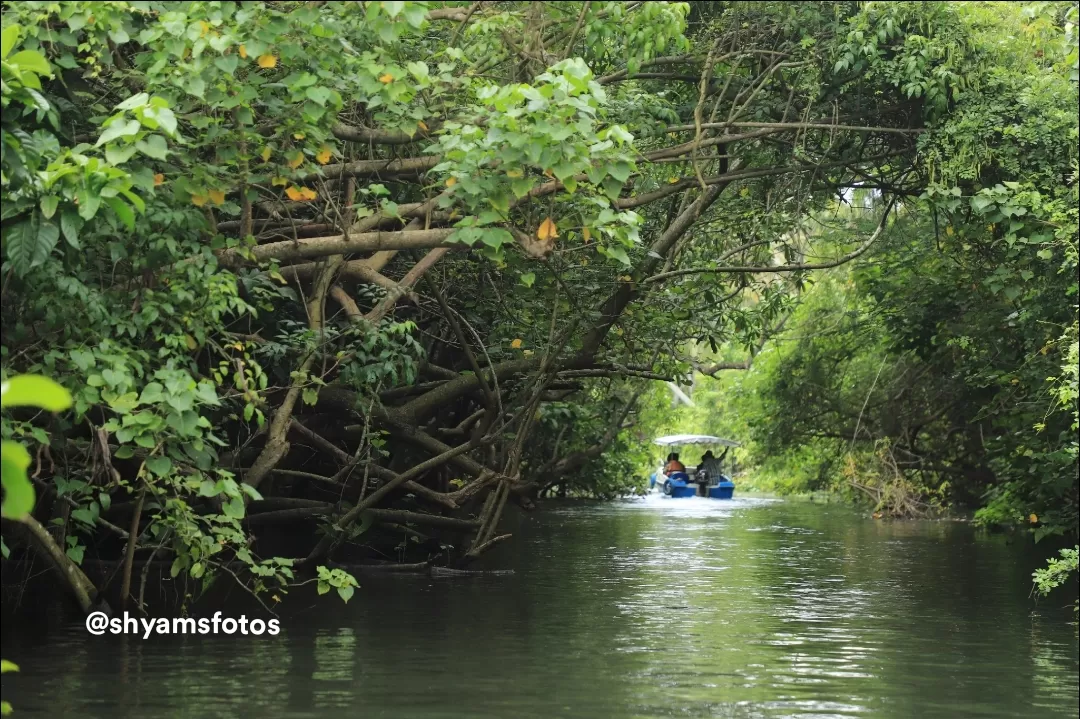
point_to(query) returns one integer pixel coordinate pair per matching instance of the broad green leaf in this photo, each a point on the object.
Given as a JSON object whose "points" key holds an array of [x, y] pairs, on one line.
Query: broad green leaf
{"points": [[70, 224], [123, 211], [153, 146], [10, 39], [118, 128], [31, 60], [18, 490], [134, 101], [160, 466], [234, 508], [34, 391], [48, 205]]}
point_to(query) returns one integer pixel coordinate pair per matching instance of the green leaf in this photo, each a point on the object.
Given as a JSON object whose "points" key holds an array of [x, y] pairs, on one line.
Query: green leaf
{"points": [[152, 392], [123, 211], [48, 205], [34, 391], [319, 95], [522, 185], [153, 146], [620, 171], [496, 237], [528, 279], [30, 243], [89, 202], [234, 508], [5, 665], [9, 40], [76, 552], [70, 224], [166, 119], [345, 593], [134, 101], [250, 491], [32, 61], [118, 154], [18, 490], [160, 466], [119, 128], [227, 63]]}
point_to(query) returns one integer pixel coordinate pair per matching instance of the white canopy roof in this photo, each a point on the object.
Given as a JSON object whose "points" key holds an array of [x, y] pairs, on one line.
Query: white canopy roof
{"points": [[679, 439]]}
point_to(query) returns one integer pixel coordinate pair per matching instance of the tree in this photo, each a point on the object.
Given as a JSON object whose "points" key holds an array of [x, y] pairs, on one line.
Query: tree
{"points": [[573, 198]]}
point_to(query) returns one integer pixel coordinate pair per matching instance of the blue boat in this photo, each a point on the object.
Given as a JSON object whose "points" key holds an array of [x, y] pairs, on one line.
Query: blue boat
{"points": [[702, 481]]}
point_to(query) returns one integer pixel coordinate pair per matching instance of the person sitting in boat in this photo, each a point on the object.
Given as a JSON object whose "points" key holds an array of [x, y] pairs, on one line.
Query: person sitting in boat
{"points": [[673, 464]]}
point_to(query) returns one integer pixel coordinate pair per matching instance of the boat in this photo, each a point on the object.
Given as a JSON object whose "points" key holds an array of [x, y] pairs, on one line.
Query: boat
{"points": [[695, 481]]}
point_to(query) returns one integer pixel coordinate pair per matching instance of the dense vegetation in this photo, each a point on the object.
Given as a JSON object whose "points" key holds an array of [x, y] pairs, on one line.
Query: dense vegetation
{"points": [[339, 281]]}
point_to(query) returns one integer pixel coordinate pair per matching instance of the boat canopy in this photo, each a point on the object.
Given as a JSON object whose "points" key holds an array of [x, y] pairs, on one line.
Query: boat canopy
{"points": [[680, 439]]}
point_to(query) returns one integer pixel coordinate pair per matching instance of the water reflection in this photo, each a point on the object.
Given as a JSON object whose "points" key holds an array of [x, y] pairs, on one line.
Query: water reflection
{"points": [[646, 608]]}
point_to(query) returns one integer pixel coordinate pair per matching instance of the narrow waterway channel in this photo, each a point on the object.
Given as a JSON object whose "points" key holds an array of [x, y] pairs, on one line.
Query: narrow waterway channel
{"points": [[644, 608]]}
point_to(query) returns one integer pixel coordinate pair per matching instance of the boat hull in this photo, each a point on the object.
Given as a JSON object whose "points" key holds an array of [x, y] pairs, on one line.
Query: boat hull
{"points": [[678, 488]]}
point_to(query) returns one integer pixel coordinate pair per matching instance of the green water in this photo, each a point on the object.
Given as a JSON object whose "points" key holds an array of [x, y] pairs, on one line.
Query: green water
{"points": [[654, 608]]}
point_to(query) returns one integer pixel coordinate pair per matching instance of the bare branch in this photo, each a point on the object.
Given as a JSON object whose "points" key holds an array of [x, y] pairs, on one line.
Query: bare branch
{"points": [[780, 268]]}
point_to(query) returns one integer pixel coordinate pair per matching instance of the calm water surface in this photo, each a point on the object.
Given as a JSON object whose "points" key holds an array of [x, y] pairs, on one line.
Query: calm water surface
{"points": [[647, 608]]}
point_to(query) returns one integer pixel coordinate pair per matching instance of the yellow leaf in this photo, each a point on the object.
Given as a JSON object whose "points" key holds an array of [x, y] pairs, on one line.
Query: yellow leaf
{"points": [[451, 181], [279, 181], [548, 230], [528, 353], [199, 200], [1015, 381], [296, 160], [949, 230], [160, 178], [514, 173], [266, 153], [267, 61], [217, 197], [626, 278], [744, 192], [300, 194], [243, 51], [386, 79], [672, 180], [324, 156], [190, 342], [277, 276], [276, 598], [1034, 518], [298, 136], [586, 233], [516, 344], [204, 27], [422, 125], [584, 261]]}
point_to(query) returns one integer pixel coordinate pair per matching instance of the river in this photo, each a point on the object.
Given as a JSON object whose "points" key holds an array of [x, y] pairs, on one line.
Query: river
{"points": [[642, 608]]}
